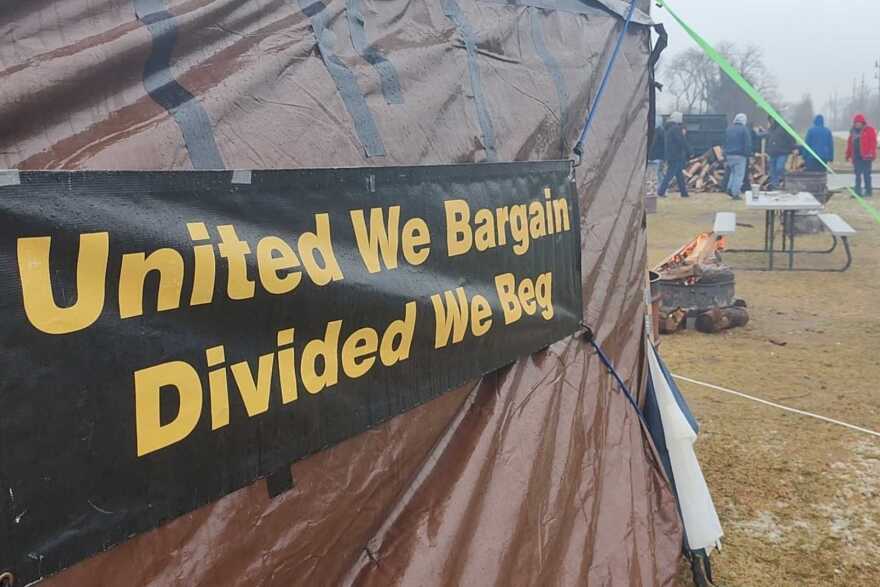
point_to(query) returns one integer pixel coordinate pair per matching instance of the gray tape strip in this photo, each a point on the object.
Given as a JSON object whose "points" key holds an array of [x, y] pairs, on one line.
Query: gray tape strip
{"points": [[9, 177], [453, 12], [346, 84], [385, 69], [555, 72], [188, 113], [242, 176], [587, 7]]}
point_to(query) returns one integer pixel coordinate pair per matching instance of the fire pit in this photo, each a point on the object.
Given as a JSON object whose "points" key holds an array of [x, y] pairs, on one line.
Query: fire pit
{"points": [[716, 289], [693, 286]]}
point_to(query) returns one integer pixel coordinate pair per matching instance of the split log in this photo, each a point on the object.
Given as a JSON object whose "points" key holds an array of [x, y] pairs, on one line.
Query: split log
{"points": [[672, 322], [721, 319]]}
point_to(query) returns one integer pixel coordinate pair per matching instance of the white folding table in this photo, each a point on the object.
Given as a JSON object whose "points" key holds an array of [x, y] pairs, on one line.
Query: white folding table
{"points": [[786, 205]]}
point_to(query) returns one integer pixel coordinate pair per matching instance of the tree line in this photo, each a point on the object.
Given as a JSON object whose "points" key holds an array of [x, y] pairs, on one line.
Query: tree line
{"points": [[694, 84]]}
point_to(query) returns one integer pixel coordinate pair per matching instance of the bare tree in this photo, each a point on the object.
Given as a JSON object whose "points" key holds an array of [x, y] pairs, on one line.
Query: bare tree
{"points": [[697, 85], [689, 77], [802, 114], [833, 115]]}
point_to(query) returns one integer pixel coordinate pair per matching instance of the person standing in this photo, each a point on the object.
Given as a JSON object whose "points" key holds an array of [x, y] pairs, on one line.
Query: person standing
{"points": [[737, 148], [861, 149], [820, 140], [676, 153], [779, 147]]}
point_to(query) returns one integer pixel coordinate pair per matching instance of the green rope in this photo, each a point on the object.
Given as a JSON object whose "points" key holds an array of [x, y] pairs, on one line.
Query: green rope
{"points": [[750, 90]]}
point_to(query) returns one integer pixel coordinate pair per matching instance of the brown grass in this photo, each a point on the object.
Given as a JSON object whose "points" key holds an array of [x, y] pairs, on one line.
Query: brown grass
{"points": [[799, 499]]}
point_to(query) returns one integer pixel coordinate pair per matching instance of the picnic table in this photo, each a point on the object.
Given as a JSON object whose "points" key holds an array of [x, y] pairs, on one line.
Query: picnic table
{"points": [[786, 205]]}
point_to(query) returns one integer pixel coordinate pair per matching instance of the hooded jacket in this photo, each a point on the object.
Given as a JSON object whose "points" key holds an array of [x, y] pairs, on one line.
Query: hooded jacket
{"points": [[819, 139], [779, 142], [738, 138], [867, 141]]}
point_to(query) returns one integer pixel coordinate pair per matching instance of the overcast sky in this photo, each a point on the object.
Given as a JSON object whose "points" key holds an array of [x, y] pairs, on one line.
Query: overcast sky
{"points": [[811, 46]]}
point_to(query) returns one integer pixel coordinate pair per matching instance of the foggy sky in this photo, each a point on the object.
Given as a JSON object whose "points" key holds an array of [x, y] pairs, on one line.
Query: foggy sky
{"points": [[810, 46]]}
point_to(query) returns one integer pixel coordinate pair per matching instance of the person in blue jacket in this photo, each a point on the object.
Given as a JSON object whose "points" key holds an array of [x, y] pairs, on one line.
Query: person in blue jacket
{"points": [[819, 139], [737, 148]]}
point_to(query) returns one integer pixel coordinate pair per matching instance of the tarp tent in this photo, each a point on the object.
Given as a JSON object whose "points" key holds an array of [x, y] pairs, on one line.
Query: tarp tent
{"points": [[537, 474]]}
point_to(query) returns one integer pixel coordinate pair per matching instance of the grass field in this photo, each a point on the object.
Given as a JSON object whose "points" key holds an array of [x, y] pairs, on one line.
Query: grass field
{"points": [[799, 499]]}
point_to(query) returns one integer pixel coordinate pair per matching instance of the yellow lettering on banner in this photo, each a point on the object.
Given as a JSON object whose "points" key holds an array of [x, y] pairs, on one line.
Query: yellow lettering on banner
{"points": [[254, 391], [206, 265], [325, 349], [451, 317], [218, 387], [402, 332], [135, 267], [319, 242], [505, 285], [537, 222], [544, 291], [528, 296], [526, 293], [519, 229], [287, 366], [151, 434], [484, 234], [378, 238], [458, 231], [36, 283], [358, 351], [239, 287], [415, 241], [548, 205], [560, 211], [503, 216], [481, 315], [273, 257]]}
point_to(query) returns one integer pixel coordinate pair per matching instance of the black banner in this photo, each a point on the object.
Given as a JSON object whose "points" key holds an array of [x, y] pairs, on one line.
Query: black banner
{"points": [[170, 337]]}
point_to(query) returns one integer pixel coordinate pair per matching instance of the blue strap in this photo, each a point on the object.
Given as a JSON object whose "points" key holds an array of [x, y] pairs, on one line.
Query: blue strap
{"points": [[579, 146], [613, 372]]}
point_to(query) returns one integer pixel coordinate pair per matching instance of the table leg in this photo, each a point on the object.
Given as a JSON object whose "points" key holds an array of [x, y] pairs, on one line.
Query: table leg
{"points": [[791, 240], [767, 230], [784, 229], [771, 231]]}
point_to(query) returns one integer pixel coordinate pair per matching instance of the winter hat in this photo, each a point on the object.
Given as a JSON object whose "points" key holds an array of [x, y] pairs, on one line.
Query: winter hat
{"points": [[860, 118], [676, 117], [741, 119]]}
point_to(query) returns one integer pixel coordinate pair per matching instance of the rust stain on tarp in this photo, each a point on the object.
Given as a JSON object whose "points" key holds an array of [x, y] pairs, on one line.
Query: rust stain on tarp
{"points": [[538, 474]]}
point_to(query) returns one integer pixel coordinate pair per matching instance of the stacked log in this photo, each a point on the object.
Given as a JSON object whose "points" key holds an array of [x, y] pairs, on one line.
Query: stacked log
{"points": [[707, 172]]}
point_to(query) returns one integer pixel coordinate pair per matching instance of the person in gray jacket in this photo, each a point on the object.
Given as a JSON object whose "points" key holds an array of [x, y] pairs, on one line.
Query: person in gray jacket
{"points": [[737, 148]]}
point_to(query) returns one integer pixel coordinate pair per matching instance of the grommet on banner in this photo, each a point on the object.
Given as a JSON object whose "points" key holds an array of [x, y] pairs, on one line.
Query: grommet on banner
{"points": [[7, 579], [242, 176], [587, 333], [9, 177]]}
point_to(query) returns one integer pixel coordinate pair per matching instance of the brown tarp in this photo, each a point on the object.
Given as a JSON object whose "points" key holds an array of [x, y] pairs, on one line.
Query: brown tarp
{"points": [[538, 474]]}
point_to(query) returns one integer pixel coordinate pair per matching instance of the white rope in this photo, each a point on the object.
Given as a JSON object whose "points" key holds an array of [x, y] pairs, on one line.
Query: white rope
{"points": [[780, 406]]}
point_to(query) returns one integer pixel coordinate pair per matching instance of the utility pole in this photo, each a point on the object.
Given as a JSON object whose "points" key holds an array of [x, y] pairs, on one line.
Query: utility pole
{"points": [[877, 77]]}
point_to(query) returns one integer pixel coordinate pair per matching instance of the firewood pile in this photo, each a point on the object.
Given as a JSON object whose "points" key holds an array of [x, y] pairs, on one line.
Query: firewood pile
{"points": [[706, 173]]}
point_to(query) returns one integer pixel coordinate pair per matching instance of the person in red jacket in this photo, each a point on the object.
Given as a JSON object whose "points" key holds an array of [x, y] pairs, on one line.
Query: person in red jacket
{"points": [[862, 150]]}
